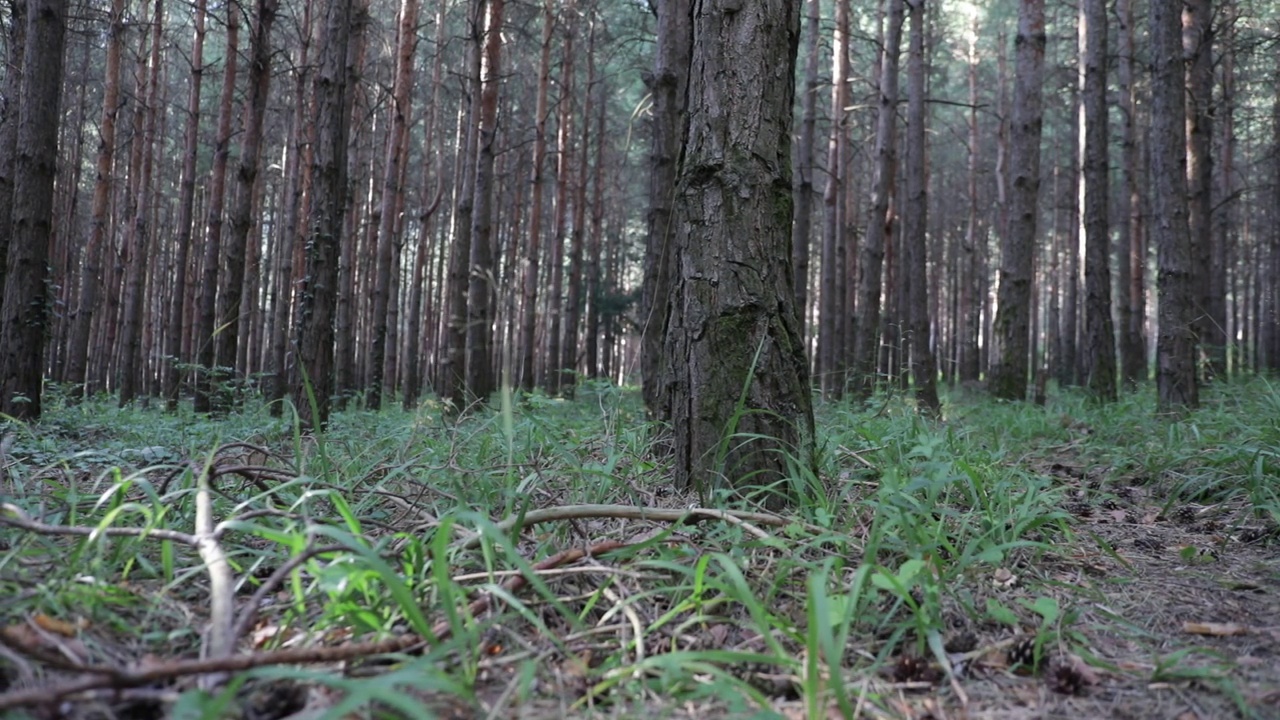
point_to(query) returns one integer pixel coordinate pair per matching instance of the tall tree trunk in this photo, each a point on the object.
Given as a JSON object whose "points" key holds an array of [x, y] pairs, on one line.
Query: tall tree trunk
{"points": [[140, 231], [24, 311], [453, 380], [533, 246], [739, 395], [1176, 383], [1009, 369], [1197, 48], [866, 346], [314, 334], [480, 290], [9, 110], [831, 311], [668, 85], [297, 187], [969, 304], [803, 227], [424, 255], [1225, 326], [924, 367], [246, 191], [392, 192], [596, 242], [207, 320], [564, 173], [90, 274], [1099, 354], [569, 348], [1130, 258]]}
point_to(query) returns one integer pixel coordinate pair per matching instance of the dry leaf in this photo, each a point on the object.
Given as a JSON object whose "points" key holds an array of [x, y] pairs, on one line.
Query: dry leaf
{"points": [[1212, 628], [60, 627]]}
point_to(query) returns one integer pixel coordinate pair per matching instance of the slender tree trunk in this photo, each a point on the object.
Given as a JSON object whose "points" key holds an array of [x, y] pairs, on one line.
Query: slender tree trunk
{"points": [[227, 336], [453, 381], [569, 348], [314, 335], [1176, 383], [1197, 48], [207, 320], [738, 384], [23, 313], [803, 227], [596, 241], [969, 304], [424, 255], [392, 191], [533, 246], [831, 309], [1225, 328], [1099, 354], [924, 367], [480, 290], [564, 175], [668, 85], [866, 346], [1132, 351], [90, 274], [1009, 370], [131, 367]]}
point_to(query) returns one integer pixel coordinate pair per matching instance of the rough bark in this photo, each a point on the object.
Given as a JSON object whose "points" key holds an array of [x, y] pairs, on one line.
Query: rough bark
{"points": [[969, 302], [737, 381], [668, 86], [1176, 382], [560, 235], [866, 345], [1017, 247], [1099, 354], [316, 312], [569, 346], [24, 315]]}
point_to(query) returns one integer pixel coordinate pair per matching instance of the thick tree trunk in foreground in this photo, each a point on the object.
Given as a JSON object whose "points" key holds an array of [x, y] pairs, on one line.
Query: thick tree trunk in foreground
{"points": [[1017, 248], [9, 108], [1176, 385], [737, 383], [316, 312], [1099, 354], [24, 314]]}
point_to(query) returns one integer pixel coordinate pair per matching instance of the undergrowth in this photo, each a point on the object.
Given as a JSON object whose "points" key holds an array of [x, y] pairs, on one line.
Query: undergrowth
{"points": [[925, 541]]}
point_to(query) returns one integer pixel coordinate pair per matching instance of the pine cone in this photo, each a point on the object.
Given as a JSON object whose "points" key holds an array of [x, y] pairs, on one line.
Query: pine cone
{"points": [[1066, 679], [912, 668], [1184, 514], [1022, 654]]}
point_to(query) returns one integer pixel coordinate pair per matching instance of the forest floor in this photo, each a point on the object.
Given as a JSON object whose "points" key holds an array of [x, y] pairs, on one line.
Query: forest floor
{"points": [[532, 561]]}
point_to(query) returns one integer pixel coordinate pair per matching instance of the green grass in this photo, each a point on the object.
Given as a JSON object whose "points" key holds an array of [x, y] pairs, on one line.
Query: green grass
{"points": [[904, 541]]}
